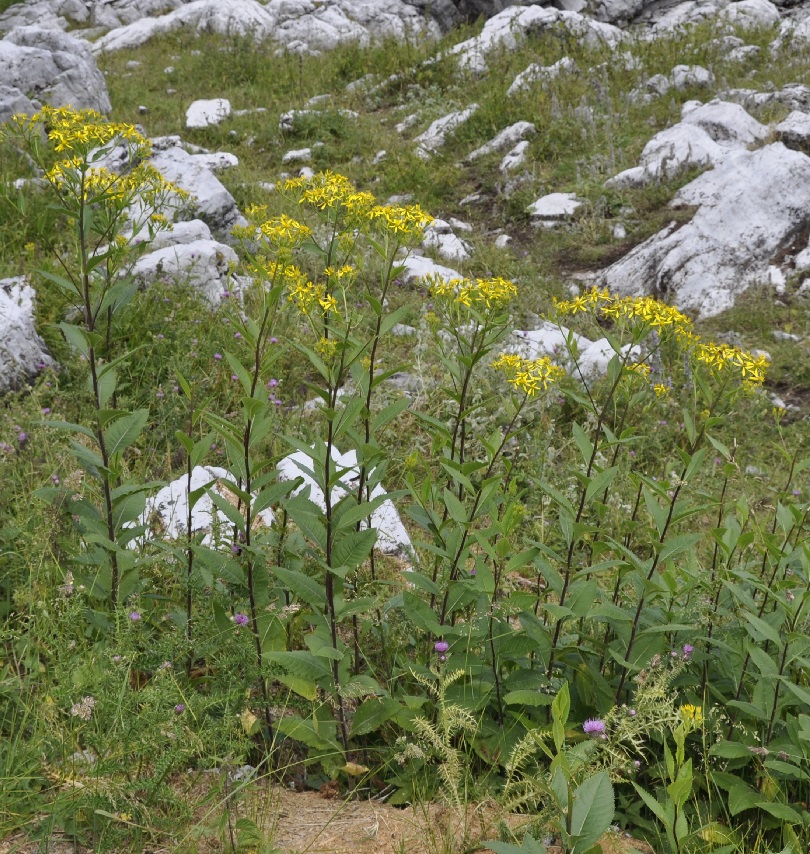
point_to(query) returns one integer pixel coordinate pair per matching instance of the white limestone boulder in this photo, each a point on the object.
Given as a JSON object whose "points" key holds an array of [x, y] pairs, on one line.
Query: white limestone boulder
{"points": [[23, 353], [507, 138], [203, 264], [725, 122], [687, 76], [392, 536], [431, 140], [537, 73], [553, 209], [419, 266], [212, 201], [748, 210], [53, 67], [515, 158], [12, 102], [166, 513], [207, 112], [794, 131], [440, 237], [578, 355], [508, 29], [706, 136], [299, 26]]}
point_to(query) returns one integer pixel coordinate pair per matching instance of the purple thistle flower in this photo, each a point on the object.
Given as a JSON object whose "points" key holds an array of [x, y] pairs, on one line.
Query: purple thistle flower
{"points": [[441, 646], [241, 619], [134, 616], [46, 410], [688, 649], [218, 356], [180, 708], [593, 726], [22, 438], [273, 340]]}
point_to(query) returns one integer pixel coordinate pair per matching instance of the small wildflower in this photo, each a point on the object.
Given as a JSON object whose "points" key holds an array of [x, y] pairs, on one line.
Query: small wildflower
{"points": [[83, 709], [134, 616], [241, 619], [594, 727], [180, 708], [692, 714], [441, 646], [218, 357], [22, 438], [46, 410], [688, 649]]}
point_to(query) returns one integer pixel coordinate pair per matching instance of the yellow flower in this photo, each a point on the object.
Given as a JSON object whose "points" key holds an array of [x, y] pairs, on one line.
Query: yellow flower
{"points": [[528, 375], [660, 390], [692, 714], [491, 293]]}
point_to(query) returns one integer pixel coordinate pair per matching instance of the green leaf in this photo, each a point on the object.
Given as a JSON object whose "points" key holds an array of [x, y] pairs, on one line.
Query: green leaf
{"points": [[420, 613], [730, 750], [525, 697], [601, 482], [781, 811], [592, 811], [372, 714], [124, 431], [742, 797], [456, 509], [305, 588], [351, 549], [652, 804]]}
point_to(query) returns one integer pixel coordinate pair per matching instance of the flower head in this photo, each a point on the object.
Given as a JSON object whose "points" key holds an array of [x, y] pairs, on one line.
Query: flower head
{"points": [[241, 619], [441, 647], [594, 727]]}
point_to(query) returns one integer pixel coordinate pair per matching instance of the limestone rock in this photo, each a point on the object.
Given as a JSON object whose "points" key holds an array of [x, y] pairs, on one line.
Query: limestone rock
{"points": [[429, 142], [166, 513], [23, 353], [794, 131], [203, 264], [207, 112], [213, 203], [392, 537], [300, 26], [12, 101], [439, 236], [749, 209], [507, 30], [54, 67], [507, 138], [707, 135], [515, 158], [553, 209], [685, 76], [536, 73]]}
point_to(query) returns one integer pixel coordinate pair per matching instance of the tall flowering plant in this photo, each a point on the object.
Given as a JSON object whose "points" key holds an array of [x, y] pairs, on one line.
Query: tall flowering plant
{"points": [[105, 211]]}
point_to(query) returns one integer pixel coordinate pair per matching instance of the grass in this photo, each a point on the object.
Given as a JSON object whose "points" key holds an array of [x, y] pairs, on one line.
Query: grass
{"points": [[56, 650]]}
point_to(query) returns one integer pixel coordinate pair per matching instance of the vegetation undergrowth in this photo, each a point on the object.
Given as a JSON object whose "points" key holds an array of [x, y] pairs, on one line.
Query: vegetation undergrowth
{"points": [[597, 611]]}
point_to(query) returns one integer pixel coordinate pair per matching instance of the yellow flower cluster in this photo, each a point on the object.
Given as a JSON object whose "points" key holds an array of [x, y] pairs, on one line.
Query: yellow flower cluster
{"points": [[494, 292], [331, 191], [408, 220], [667, 319], [339, 272], [693, 714], [79, 130], [285, 231], [528, 375], [722, 357], [649, 311], [307, 295]]}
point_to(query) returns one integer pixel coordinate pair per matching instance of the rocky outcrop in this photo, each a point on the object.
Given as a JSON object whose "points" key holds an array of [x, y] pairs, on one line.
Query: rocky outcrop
{"points": [[749, 209], [300, 26], [53, 67], [23, 353]]}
